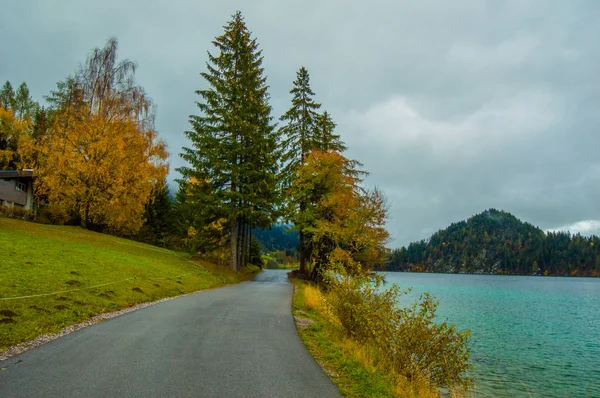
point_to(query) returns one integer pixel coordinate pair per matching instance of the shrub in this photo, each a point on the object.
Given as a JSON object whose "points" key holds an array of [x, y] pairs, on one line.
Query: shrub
{"points": [[359, 309], [17, 212], [411, 342], [54, 213], [254, 254], [5, 210], [253, 268], [312, 297]]}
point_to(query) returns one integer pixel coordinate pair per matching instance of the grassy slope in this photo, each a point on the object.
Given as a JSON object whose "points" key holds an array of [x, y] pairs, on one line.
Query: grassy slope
{"points": [[37, 259]]}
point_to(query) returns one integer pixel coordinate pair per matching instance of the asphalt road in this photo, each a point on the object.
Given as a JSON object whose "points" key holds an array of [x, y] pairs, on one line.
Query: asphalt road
{"points": [[237, 341]]}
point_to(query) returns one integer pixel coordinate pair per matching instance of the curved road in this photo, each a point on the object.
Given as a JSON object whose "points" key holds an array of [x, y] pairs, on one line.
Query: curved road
{"points": [[237, 341]]}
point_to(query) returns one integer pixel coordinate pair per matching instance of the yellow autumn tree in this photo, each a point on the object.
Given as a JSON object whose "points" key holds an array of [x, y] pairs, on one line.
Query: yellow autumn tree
{"points": [[102, 157], [12, 130], [346, 223]]}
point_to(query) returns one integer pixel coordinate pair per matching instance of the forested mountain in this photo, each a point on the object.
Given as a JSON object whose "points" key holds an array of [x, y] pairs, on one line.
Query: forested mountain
{"points": [[496, 242]]}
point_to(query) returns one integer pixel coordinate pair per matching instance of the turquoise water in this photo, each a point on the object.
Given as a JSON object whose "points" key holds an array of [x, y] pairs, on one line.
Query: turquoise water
{"points": [[531, 336]]}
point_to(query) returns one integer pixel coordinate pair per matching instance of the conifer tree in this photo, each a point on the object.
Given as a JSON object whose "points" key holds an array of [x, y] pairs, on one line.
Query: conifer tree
{"points": [[300, 138], [23, 103], [234, 159], [157, 217], [300, 124], [325, 138], [7, 96]]}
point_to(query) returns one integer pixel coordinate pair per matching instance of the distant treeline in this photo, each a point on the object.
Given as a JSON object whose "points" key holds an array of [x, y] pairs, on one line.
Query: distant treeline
{"points": [[496, 242], [278, 237]]}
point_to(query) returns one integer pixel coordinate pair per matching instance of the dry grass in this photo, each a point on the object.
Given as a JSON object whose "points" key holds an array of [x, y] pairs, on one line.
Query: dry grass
{"points": [[400, 386], [313, 297], [356, 368]]}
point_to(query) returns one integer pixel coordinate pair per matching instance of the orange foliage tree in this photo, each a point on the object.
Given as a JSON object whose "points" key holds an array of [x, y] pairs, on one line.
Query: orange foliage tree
{"points": [[101, 158], [12, 130], [346, 222]]}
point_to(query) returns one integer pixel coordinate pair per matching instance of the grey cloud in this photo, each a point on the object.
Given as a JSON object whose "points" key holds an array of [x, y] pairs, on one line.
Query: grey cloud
{"points": [[454, 107]]}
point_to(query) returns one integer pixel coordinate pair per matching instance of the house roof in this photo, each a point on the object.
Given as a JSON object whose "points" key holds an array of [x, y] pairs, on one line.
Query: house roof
{"points": [[15, 173]]}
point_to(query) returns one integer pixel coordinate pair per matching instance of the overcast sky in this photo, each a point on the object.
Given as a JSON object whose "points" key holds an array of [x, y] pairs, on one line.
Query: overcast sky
{"points": [[453, 106]]}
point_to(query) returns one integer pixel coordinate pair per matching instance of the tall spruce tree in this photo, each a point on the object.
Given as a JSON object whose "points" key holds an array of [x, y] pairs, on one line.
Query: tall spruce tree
{"points": [[300, 138], [234, 159], [300, 120]]}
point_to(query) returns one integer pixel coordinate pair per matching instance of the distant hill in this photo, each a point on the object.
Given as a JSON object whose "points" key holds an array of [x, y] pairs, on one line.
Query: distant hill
{"points": [[496, 242], [278, 238]]}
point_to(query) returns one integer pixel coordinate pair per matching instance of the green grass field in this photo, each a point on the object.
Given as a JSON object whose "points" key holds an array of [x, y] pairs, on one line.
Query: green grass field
{"points": [[37, 259]]}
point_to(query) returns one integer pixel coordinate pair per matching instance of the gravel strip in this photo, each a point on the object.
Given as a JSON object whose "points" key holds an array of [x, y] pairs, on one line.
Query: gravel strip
{"points": [[46, 338]]}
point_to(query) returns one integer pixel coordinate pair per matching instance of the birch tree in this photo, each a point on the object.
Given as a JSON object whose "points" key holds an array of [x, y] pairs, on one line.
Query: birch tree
{"points": [[102, 157]]}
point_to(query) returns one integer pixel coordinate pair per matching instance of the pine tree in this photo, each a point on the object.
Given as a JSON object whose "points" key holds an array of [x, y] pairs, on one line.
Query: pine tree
{"points": [[234, 158], [7, 96], [305, 130], [158, 216], [300, 129], [300, 132], [325, 139], [23, 103]]}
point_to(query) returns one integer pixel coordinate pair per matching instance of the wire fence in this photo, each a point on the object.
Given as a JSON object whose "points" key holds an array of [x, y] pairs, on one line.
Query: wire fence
{"points": [[93, 287], [202, 268]]}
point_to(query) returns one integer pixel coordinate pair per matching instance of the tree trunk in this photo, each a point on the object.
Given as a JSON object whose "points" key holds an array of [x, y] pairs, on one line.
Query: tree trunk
{"points": [[234, 244], [86, 214], [245, 250], [242, 241], [302, 252], [248, 241]]}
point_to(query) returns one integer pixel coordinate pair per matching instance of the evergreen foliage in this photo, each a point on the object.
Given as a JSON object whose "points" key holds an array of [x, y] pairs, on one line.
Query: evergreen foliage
{"points": [[7, 96], [24, 105], [299, 130], [254, 253], [277, 238], [158, 217], [326, 139], [496, 242], [305, 130], [232, 173], [299, 138]]}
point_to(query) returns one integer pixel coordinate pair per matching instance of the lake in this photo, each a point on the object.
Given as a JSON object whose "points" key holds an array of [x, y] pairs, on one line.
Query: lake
{"points": [[531, 336]]}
